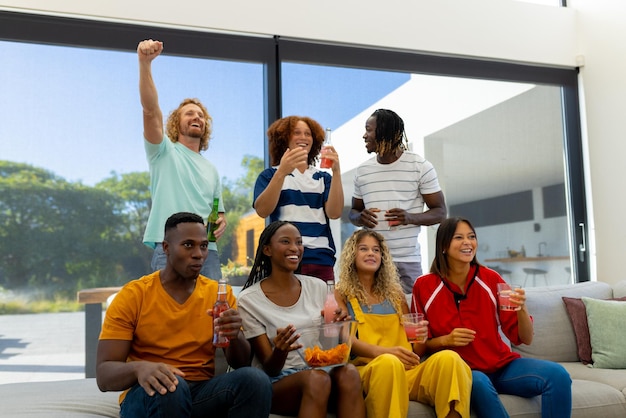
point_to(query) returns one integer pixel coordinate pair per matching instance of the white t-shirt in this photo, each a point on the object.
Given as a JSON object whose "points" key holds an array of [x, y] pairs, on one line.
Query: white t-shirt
{"points": [[262, 316], [404, 181]]}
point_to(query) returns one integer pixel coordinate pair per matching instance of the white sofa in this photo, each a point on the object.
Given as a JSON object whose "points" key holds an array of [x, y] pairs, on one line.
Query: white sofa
{"points": [[596, 392]]}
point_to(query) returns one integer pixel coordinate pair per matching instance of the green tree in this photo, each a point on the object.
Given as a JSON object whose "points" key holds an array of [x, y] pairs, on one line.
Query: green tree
{"points": [[54, 235], [133, 208], [57, 237], [237, 197]]}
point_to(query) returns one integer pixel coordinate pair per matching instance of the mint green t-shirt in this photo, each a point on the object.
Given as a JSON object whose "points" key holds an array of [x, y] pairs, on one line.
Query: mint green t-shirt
{"points": [[180, 181]]}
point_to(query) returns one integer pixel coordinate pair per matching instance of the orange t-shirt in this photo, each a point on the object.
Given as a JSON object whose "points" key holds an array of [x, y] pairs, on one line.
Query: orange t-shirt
{"points": [[161, 329]]}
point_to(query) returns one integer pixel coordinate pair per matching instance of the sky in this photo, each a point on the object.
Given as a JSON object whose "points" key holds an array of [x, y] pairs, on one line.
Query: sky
{"points": [[76, 111]]}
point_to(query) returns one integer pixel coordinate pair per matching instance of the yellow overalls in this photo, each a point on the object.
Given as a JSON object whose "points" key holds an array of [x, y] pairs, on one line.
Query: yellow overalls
{"points": [[443, 378]]}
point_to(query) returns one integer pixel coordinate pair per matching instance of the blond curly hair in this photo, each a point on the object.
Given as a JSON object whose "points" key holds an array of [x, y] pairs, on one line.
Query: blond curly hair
{"points": [[173, 123], [386, 279]]}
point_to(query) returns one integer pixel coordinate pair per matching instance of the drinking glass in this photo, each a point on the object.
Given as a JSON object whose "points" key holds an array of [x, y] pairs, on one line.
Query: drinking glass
{"points": [[504, 297], [415, 327]]}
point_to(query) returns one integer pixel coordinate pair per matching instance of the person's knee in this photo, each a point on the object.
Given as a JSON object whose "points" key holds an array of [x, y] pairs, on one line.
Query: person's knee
{"points": [[481, 382], [347, 379], [387, 361], [180, 396], [451, 359], [560, 376], [253, 379], [315, 383]]}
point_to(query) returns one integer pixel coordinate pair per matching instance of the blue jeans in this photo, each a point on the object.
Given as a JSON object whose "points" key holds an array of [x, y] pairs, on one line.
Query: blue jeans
{"points": [[523, 377], [211, 267], [242, 393]]}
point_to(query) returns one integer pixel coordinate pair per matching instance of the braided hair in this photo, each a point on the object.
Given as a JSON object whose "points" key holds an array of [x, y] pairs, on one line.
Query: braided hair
{"points": [[262, 266], [390, 132]]}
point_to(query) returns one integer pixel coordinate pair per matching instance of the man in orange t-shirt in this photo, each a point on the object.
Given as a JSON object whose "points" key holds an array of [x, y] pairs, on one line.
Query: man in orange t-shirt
{"points": [[156, 341]]}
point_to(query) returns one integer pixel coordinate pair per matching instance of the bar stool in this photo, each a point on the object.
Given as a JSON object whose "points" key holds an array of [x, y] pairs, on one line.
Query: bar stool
{"points": [[535, 272], [502, 272]]}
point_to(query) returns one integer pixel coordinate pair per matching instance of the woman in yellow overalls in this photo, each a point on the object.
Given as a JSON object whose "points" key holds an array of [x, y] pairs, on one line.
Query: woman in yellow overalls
{"points": [[390, 369]]}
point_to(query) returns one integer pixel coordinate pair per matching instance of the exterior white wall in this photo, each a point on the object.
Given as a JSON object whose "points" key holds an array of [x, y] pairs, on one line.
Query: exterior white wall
{"points": [[495, 29]]}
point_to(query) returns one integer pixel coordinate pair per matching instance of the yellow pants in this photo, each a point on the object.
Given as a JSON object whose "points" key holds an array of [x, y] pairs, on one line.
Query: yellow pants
{"points": [[441, 379]]}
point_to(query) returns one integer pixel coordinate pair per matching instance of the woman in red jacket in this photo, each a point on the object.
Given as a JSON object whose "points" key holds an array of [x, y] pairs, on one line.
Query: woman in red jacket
{"points": [[459, 300]]}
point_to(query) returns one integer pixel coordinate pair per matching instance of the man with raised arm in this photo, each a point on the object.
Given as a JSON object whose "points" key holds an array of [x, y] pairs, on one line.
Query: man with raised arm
{"points": [[180, 178]]}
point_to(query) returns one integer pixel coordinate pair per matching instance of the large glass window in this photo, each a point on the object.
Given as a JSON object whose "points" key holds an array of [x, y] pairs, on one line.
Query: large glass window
{"points": [[498, 148], [72, 116]]}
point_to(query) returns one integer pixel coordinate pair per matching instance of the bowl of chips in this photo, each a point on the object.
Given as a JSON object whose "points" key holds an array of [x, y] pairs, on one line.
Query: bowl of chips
{"points": [[327, 345]]}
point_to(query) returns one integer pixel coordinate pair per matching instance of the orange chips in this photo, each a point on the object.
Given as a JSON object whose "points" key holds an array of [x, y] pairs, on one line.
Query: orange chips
{"points": [[316, 357]]}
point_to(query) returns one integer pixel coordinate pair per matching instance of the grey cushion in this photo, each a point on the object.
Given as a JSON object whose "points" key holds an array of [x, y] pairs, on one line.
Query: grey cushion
{"points": [[615, 378], [554, 336], [594, 399]]}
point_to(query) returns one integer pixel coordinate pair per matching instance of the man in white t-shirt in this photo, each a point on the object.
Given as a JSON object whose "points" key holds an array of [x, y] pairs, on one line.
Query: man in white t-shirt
{"points": [[390, 191]]}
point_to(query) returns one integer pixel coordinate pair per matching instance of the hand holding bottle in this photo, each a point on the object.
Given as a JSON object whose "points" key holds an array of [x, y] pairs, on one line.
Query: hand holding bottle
{"points": [[221, 305], [212, 223], [326, 148], [331, 306]]}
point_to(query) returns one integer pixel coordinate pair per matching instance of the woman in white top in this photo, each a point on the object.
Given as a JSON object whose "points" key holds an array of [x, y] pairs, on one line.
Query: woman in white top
{"points": [[274, 304]]}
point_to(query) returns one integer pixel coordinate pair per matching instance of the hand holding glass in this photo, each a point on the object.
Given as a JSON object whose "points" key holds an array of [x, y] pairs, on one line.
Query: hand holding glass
{"points": [[392, 220], [504, 297], [383, 217], [416, 327]]}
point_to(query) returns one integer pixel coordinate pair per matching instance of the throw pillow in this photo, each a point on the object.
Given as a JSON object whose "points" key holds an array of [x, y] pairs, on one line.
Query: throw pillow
{"points": [[578, 316], [606, 329]]}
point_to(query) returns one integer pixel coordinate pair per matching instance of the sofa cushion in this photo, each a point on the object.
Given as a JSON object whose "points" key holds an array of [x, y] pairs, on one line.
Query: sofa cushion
{"points": [[615, 378], [578, 316], [594, 399], [63, 399], [606, 328], [554, 337], [619, 289]]}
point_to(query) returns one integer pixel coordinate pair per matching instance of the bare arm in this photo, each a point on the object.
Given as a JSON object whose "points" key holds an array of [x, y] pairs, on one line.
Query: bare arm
{"points": [[524, 323], [273, 358], [418, 348], [114, 373], [238, 352], [334, 204], [360, 216], [147, 51], [459, 337], [436, 212]]}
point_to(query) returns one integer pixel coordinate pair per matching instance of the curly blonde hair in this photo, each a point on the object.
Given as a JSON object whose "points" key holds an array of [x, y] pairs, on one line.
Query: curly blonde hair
{"points": [[173, 123], [279, 133], [386, 279]]}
